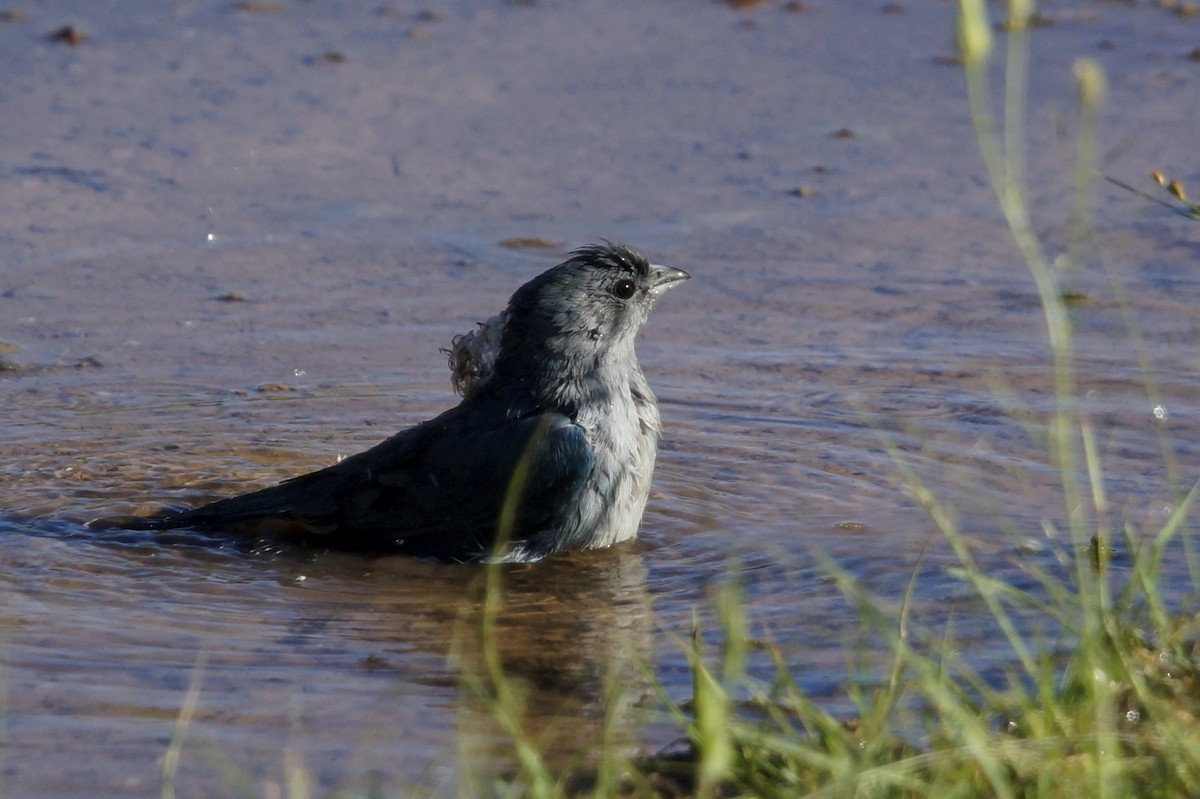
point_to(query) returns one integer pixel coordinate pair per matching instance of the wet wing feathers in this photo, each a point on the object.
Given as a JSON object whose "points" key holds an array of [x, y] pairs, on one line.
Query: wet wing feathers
{"points": [[426, 490]]}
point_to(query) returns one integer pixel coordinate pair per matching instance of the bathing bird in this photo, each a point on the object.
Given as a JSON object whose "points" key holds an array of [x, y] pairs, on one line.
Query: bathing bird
{"points": [[551, 448]]}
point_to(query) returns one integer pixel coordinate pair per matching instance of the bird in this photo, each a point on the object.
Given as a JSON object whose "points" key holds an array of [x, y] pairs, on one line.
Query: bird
{"points": [[551, 448]]}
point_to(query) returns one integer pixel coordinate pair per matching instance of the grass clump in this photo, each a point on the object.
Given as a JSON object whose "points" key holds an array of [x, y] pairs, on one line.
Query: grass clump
{"points": [[1109, 705]]}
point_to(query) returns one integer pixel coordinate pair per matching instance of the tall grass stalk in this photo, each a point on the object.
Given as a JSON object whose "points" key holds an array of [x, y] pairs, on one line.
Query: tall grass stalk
{"points": [[1005, 167], [183, 719], [487, 680], [1067, 432]]}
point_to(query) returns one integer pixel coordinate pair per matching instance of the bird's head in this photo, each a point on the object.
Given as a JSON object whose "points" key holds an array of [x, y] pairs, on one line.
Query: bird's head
{"points": [[586, 311]]}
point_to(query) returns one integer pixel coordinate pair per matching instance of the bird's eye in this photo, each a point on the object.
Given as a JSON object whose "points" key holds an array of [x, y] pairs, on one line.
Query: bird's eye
{"points": [[624, 289]]}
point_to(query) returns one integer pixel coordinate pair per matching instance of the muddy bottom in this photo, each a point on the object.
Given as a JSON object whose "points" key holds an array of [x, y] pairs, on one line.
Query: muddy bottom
{"points": [[234, 239]]}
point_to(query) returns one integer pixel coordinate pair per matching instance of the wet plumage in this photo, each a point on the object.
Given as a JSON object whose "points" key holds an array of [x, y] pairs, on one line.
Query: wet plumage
{"points": [[552, 447]]}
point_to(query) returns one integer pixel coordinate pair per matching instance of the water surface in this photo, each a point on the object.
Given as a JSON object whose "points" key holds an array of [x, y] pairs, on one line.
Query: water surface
{"points": [[227, 258]]}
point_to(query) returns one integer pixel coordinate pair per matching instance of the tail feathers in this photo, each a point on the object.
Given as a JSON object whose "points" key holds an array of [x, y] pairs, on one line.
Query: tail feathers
{"points": [[261, 511], [131, 522]]}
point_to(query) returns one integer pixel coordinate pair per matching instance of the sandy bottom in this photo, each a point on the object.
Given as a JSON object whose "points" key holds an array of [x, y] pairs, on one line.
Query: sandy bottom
{"points": [[234, 238]]}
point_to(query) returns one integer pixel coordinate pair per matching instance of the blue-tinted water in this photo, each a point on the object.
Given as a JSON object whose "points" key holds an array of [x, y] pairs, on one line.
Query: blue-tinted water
{"points": [[268, 251]]}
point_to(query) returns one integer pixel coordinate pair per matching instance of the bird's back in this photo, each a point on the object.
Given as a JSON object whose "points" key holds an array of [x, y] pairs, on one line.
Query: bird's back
{"points": [[467, 485]]}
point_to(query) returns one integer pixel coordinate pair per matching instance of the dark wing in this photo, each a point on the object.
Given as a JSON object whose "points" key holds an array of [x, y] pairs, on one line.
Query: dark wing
{"points": [[444, 489]]}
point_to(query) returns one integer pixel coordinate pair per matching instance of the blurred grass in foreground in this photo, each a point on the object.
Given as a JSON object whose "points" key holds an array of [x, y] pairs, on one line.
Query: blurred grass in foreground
{"points": [[1109, 708]]}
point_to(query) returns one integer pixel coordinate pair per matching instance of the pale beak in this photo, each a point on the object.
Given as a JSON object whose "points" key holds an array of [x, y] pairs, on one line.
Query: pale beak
{"points": [[664, 278]]}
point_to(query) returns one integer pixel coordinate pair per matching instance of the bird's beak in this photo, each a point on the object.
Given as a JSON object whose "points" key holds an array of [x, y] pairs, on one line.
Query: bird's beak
{"points": [[664, 278]]}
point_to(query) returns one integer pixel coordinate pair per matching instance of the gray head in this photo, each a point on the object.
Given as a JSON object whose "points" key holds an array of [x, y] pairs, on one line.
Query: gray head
{"points": [[581, 316]]}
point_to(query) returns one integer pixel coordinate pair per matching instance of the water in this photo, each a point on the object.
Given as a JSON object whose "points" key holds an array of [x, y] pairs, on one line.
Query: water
{"points": [[224, 262]]}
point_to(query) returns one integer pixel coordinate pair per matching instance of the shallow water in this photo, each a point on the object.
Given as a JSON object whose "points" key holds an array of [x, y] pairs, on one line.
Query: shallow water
{"points": [[226, 259]]}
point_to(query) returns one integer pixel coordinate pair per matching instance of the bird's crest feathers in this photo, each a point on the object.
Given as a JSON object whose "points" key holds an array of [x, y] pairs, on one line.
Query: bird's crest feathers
{"points": [[614, 256]]}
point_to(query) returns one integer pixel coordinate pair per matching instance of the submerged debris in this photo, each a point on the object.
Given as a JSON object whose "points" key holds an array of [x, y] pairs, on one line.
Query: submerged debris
{"points": [[68, 34], [327, 57], [528, 243], [258, 6]]}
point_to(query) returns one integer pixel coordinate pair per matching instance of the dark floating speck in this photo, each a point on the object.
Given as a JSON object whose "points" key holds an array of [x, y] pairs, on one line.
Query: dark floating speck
{"points": [[258, 7], [68, 34], [1034, 20], [327, 57], [94, 179], [529, 243]]}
